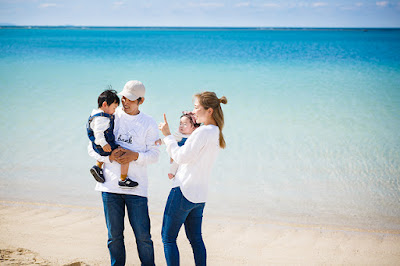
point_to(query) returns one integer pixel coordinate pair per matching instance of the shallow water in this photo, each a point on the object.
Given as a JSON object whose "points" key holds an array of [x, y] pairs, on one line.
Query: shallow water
{"points": [[312, 122]]}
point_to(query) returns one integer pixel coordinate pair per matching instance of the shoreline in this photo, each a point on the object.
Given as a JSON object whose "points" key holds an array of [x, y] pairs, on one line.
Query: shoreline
{"points": [[55, 234]]}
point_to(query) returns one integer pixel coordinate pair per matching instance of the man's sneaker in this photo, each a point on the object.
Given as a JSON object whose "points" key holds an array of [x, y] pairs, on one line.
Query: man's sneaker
{"points": [[127, 183], [97, 173]]}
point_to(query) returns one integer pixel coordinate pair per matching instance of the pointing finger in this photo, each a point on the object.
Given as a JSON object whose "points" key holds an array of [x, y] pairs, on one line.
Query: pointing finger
{"points": [[165, 119]]}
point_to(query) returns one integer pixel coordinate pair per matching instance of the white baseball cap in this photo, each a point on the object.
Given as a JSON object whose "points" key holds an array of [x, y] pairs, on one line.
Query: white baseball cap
{"points": [[133, 89]]}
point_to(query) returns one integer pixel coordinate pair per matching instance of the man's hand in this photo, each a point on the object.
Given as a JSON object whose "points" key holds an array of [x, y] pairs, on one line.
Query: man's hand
{"points": [[158, 142], [124, 156], [116, 154], [127, 157]]}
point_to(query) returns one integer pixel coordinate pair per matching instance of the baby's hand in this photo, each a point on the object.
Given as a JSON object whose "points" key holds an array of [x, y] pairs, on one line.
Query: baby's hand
{"points": [[171, 176], [158, 142], [107, 148]]}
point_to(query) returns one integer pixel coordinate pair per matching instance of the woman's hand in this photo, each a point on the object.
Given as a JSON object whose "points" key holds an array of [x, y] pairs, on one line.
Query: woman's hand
{"points": [[164, 127]]}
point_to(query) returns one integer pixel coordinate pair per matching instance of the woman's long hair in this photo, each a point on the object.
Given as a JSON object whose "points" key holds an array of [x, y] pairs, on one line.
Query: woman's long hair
{"points": [[208, 100]]}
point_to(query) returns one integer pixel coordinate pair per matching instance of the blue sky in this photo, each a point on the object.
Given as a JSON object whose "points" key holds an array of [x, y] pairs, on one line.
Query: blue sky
{"points": [[222, 13]]}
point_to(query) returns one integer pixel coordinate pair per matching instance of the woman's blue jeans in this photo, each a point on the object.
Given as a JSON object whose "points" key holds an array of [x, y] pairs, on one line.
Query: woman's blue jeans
{"points": [[138, 214], [179, 211]]}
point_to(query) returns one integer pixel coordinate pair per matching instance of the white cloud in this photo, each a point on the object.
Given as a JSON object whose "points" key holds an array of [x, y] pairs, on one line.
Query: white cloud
{"points": [[271, 5], [319, 4], [243, 4], [382, 3], [47, 5], [119, 3], [206, 5], [301, 4], [355, 6]]}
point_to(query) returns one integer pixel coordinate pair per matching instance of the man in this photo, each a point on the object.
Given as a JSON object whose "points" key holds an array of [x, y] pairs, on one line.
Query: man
{"points": [[135, 133]]}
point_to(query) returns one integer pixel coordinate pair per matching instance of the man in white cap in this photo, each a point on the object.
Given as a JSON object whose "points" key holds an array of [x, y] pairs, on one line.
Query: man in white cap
{"points": [[135, 133]]}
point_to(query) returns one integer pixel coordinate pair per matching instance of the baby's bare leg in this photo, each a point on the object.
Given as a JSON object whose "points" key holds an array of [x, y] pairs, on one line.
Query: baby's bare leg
{"points": [[124, 171]]}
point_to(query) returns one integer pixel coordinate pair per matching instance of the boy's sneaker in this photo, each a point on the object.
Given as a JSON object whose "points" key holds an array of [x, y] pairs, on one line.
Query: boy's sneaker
{"points": [[127, 183], [97, 173]]}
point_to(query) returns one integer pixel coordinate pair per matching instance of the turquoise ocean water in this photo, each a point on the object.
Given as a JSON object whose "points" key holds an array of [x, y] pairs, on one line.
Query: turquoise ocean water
{"points": [[312, 122]]}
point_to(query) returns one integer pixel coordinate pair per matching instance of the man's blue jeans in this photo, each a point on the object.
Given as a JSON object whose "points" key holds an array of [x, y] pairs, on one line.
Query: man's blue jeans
{"points": [[138, 214], [179, 211]]}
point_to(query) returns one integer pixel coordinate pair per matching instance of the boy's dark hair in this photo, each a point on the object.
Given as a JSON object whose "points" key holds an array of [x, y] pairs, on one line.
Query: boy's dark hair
{"points": [[109, 96]]}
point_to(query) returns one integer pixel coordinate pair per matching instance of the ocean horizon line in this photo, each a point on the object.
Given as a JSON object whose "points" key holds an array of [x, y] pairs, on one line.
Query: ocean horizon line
{"points": [[7, 26]]}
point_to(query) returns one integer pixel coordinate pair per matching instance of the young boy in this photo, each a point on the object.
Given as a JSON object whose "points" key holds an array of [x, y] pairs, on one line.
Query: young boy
{"points": [[100, 130]]}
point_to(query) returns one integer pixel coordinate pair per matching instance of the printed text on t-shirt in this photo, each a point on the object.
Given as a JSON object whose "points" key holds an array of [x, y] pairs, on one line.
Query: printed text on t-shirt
{"points": [[125, 138]]}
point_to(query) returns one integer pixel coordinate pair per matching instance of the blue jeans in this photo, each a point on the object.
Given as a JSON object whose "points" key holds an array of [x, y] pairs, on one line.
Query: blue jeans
{"points": [[138, 214], [179, 211]]}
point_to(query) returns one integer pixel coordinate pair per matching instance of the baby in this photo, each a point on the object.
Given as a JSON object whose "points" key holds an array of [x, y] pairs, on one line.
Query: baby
{"points": [[186, 126], [100, 130]]}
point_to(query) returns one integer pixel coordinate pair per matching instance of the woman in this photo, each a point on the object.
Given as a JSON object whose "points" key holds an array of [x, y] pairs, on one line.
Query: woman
{"points": [[189, 191]]}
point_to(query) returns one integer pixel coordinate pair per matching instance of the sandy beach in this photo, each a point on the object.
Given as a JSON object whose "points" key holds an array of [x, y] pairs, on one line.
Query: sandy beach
{"points": [[45, 234]]}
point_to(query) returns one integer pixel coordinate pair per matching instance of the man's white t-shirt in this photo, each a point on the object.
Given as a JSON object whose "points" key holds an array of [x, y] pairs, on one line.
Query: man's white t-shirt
{"points": [[136, 133]]}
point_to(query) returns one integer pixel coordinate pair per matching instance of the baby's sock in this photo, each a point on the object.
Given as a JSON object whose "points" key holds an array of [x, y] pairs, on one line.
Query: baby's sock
{"points": [[123, 177]]}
